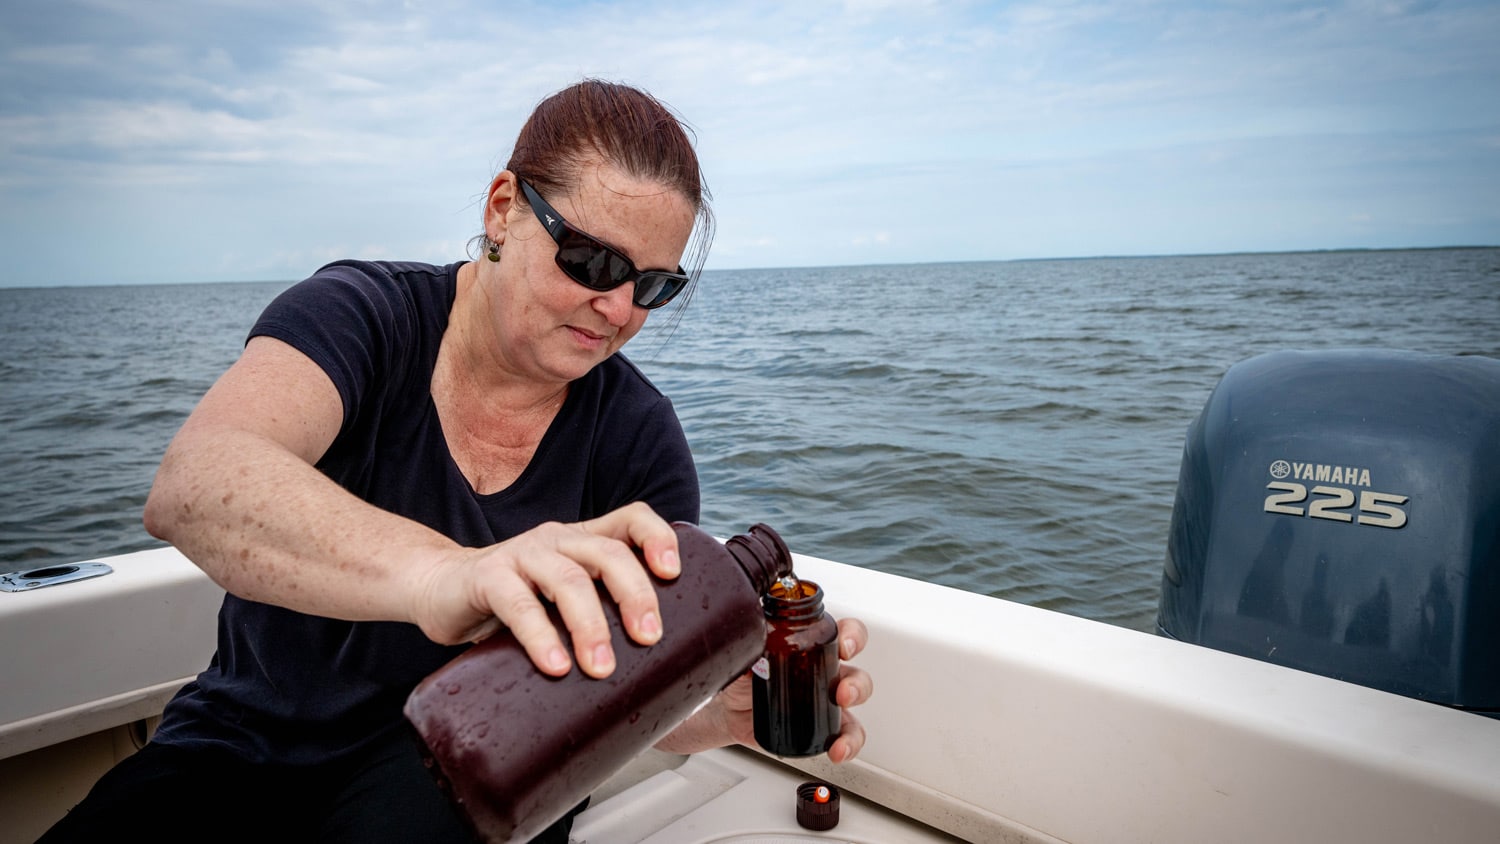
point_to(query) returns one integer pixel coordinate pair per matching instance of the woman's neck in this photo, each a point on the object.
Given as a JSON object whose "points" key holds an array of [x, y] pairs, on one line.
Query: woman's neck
{"points": [[492, 418], [475, 363]]}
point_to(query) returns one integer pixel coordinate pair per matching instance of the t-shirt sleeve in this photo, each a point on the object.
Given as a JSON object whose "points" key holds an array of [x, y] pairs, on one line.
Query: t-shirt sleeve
{"points": [[654, 464], [347, 319]]}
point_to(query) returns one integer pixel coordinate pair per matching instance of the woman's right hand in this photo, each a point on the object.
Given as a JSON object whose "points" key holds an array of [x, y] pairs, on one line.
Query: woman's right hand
{"points": [[473, 592]]}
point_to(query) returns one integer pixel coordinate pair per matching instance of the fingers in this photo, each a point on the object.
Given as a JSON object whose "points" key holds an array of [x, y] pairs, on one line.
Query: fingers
{"points": [[638, 525], [514, 604], [855, 686], [610, 558], [561, 567], [853, 636], [561, 564], [850, 742]]}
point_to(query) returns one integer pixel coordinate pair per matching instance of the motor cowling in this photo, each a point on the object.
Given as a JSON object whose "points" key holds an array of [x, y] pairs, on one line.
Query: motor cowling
{"points": [[1338, 512]]}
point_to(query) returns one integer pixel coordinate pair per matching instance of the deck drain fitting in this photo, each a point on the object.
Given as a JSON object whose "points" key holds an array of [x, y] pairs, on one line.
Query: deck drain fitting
{"points": [[817, 805]]}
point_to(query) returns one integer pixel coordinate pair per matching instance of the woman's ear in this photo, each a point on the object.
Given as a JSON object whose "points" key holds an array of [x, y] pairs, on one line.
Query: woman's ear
{"points": [[498, 204]]}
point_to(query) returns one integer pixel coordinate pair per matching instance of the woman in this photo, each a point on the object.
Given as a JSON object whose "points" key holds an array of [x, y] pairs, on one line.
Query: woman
{"points": [[406, 457]]}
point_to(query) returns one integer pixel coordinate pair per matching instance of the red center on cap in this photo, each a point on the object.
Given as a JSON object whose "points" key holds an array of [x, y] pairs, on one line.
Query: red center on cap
{"points": [[817, 805]]}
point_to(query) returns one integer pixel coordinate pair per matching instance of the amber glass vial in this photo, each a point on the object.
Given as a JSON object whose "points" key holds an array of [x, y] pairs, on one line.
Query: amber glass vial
{"points": [[793, 684]]}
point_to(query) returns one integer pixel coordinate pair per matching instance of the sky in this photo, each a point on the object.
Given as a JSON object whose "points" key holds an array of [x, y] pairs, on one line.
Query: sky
{"points": [[159, 141]]}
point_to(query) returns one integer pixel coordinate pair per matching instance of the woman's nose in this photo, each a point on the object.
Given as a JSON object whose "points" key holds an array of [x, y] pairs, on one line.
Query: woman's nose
{"points": [[617, 305]]}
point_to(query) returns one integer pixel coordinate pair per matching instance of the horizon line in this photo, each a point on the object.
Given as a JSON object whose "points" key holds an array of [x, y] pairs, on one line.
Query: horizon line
{"points": [[1099, 257]]}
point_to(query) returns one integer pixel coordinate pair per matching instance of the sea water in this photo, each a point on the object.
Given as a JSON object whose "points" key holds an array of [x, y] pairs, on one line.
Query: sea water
{"points": [[1010, 428]]}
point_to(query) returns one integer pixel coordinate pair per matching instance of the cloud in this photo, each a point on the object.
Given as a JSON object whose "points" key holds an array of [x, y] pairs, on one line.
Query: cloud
{"points": [[299, 130]]}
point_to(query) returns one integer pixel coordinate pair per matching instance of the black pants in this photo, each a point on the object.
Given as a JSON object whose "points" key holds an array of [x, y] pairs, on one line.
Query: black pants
{"points": [[175, 794]]}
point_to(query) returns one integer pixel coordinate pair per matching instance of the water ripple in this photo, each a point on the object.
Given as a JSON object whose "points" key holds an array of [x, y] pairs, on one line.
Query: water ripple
{"points": [[1008, 428]]}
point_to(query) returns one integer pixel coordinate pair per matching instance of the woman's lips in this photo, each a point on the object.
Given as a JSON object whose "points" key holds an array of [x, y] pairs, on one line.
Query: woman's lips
{"points": [[586, 338]]}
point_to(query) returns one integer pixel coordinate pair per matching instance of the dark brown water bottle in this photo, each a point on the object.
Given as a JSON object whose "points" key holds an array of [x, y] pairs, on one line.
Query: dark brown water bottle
{"points": [[516, 749], [794, 683]]}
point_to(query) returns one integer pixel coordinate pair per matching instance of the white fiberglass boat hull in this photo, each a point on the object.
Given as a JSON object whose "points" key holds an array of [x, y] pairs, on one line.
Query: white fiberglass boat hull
{"points": [[992, 722]]}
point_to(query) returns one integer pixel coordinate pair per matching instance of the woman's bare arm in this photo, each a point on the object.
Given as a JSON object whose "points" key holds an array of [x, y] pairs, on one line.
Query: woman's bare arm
{"points": [[238, 493]]}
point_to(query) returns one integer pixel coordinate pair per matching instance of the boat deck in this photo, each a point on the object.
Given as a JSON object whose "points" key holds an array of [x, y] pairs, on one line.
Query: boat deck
{"points": [[728, 796]]}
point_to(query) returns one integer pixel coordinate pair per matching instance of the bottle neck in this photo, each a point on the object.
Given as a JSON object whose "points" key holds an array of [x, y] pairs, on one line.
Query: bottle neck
{"points": [[763, 554], [803, 602]]}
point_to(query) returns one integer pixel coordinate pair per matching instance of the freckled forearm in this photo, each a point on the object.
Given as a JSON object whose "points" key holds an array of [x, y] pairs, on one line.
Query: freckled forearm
{"points": [[267, 526]]}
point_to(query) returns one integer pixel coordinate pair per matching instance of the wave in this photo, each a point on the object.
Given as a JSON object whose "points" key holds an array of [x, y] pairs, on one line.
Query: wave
{"points": [[1011, 428]]}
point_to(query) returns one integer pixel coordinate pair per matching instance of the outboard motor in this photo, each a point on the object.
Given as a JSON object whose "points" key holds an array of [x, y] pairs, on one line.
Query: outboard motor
{"points": [[1338, 512]]}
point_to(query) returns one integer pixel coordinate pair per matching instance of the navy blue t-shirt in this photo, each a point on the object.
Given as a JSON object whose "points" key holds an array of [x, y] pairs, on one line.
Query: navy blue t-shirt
{"points": [[297, 688]]}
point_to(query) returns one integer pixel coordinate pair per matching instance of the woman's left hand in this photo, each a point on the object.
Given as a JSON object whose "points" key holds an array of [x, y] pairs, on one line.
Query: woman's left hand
{"points": [[729, 716]]}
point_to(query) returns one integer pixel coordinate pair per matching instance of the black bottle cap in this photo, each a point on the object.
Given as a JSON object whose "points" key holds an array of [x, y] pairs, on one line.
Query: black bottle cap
{"points": [[817, 805]]}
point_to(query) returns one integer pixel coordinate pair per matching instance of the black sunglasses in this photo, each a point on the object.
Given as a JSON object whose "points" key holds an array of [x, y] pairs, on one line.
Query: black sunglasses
{"points": [[598, 267]]}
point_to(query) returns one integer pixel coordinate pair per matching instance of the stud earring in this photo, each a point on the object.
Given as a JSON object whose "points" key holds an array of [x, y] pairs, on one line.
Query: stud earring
{"points": [[494, 251]]}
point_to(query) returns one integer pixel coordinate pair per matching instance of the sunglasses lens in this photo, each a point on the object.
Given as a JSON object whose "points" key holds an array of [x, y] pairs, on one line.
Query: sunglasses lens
{"points": [[586, 263], [652, 290]]}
